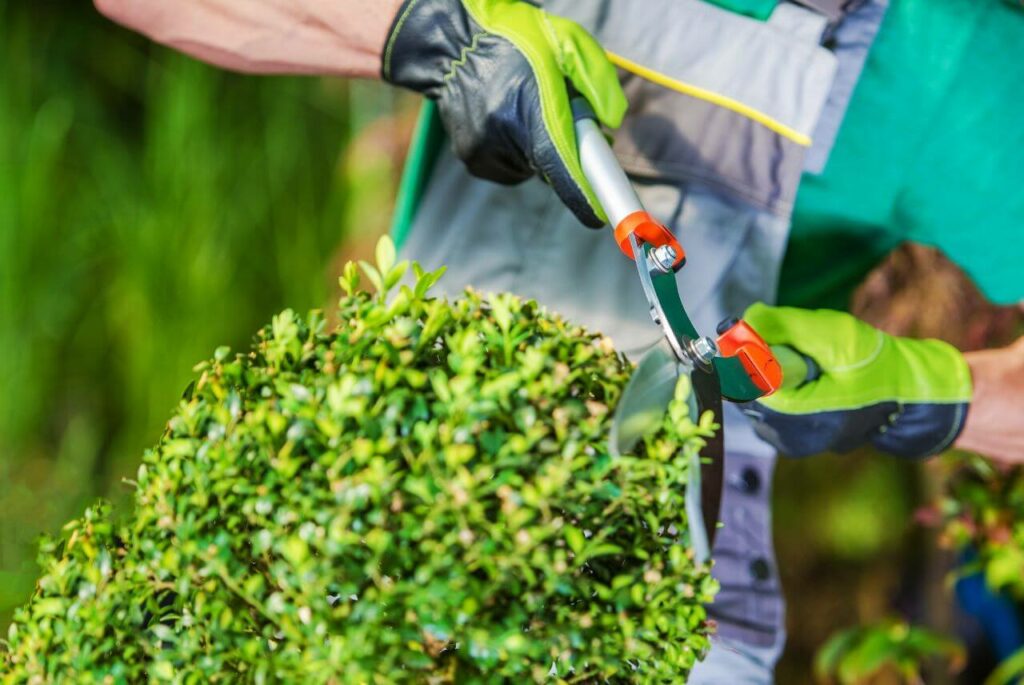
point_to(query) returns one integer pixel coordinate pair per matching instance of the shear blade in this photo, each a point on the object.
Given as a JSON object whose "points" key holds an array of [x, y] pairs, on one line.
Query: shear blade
{"points": [[641, 411], [645, 399]]}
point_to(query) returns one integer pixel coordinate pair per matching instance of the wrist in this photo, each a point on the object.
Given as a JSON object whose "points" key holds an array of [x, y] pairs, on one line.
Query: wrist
{"points": [[992, 422]]}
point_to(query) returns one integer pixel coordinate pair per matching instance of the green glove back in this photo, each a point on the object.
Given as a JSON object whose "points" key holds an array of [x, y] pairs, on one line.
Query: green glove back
{"points": [[907, 397], [498, 70]]}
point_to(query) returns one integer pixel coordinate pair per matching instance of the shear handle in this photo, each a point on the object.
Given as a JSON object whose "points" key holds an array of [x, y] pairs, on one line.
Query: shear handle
{"points": [[769, 367], [797, 368], [614, 190]]}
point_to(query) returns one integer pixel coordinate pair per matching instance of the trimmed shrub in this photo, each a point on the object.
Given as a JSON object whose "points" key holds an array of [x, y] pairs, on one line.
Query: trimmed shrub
{"points": [[422, 494]]}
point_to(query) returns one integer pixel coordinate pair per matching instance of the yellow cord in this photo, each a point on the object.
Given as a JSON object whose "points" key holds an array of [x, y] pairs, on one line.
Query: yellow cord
{"points": [[710, 96]]}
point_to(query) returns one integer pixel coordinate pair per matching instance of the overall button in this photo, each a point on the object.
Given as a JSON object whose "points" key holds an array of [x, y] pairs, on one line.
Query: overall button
{"points": [[760, 569], [748, 481]]}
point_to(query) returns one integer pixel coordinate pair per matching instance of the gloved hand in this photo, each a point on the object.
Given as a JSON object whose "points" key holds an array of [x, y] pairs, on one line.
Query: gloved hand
{"points": [[498, 71], [906, 397]]}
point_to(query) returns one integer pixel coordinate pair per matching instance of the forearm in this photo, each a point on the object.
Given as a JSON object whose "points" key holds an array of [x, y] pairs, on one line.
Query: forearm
{"points": [[995, 421], [337, 37]]}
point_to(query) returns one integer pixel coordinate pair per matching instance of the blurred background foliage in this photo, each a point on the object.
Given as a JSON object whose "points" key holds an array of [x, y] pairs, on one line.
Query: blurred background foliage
{"points": [[152, 209], [860, 537]]}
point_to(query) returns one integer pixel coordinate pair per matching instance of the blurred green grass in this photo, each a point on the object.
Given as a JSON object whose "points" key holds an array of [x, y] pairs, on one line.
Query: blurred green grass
{"points": [[151, 209]]}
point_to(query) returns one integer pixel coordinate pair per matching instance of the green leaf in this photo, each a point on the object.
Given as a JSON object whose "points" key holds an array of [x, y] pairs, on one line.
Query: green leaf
{"points": [[593, 551], [394, 275], [427, 281], [162, 670], [385, 254], [162, 632], [50, 606], [349, 280], [830, 655], [375, 277], [574, 538]]}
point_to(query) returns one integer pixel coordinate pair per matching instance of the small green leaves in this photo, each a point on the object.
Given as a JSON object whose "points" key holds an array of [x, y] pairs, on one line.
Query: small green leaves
{"points": [[425, 280], [349, 280], [386, 273], [375, 277], [422, 494], [386, 254], [574, 536], [50, 606]]}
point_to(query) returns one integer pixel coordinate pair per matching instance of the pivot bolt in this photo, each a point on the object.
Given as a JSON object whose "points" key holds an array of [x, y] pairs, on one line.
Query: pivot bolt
{"points": [[664, 257], [703, 350]]}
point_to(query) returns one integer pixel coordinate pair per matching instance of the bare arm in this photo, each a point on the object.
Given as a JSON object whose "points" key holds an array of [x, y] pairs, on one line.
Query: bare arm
{"points": [[995, 421], [338, 37]]}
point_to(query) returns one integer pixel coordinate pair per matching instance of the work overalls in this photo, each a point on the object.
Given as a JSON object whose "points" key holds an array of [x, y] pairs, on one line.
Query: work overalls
{"points": [[723, 110]]}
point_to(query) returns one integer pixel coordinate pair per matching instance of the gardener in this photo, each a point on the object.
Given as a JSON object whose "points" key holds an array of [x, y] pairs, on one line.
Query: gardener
{"points": [[724, 108]]}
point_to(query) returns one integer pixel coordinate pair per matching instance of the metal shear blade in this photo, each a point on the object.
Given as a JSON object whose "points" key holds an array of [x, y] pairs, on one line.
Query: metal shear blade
{"points": [[642, 407]]}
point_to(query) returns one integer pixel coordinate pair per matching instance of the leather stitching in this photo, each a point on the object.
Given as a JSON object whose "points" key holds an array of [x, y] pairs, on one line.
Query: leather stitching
{"points": [[954, 431], [463, 56], [394, 36], [866, 361]]}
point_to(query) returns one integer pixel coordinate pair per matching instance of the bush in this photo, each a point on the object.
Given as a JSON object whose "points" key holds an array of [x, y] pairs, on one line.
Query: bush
{"points": [[422, 495]]}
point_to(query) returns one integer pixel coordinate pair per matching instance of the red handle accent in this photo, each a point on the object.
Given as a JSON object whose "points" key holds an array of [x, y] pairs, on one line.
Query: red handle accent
{"points": [[741, 340], [647, 230]]}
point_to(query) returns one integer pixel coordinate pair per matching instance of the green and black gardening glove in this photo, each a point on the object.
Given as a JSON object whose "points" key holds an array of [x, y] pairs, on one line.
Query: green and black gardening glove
{"points": [[906, 397], [499, 71]]}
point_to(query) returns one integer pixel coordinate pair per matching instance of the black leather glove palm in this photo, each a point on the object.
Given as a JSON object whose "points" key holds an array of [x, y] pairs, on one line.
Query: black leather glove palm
{"points": [[498, 71]]}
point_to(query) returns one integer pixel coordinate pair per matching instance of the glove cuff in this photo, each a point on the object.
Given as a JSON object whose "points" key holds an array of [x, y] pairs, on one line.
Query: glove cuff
{"points": [[922, 430], [425, 39], [929, 416]]}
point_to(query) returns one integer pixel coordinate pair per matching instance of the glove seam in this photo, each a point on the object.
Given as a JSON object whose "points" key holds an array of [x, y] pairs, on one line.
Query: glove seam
{"points": [[389, 49], [954, 430], [463, 56], [875, 354], [549, 29], [862, 404]]}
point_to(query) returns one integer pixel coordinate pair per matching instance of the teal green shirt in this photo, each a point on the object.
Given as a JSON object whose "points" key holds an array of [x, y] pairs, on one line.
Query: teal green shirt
{"points": [[760, 9], [932, 150]]}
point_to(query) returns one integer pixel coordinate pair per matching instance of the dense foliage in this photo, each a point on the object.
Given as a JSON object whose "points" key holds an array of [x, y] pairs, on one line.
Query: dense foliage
{"points": [[424, 490]]}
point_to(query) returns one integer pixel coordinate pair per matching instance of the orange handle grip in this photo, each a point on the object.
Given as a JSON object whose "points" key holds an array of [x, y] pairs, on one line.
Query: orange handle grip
{"points": [[647, 230], [737, 338]]}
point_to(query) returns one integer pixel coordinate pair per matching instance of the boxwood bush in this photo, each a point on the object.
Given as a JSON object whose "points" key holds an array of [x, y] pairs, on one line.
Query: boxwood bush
{"points": [[422, 493]]}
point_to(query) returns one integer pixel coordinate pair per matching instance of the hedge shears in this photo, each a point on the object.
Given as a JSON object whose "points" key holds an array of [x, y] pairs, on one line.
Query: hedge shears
{"points": [[736, 365]]}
